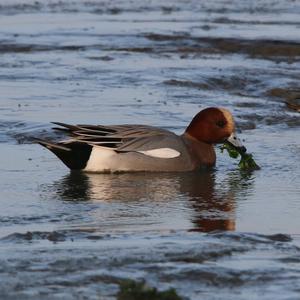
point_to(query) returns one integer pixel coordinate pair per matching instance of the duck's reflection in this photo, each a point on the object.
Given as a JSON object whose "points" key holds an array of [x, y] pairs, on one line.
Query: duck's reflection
{"points": [[212, 199]]}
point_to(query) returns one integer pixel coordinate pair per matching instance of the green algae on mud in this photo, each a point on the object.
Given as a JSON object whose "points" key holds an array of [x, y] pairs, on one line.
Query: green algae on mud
{"points": [[133, 290]]}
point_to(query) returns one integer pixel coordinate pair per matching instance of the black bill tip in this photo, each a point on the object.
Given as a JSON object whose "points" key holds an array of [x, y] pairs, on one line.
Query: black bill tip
{"points": [[243, 149]]}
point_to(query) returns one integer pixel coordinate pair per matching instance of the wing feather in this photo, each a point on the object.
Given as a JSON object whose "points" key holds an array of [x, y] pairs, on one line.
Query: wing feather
{"points": [[121, 138]]}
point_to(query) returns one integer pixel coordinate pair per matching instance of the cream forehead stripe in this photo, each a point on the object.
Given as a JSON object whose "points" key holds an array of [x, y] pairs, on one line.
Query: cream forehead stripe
{"points": [[161, 153], [227, 115]]}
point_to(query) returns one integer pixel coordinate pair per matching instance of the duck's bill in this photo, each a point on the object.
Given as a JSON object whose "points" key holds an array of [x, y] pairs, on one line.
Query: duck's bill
{"points": [[236, 143]]}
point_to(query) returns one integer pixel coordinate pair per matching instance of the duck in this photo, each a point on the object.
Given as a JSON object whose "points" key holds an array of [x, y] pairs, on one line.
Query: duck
{"points": [[145, 148]]}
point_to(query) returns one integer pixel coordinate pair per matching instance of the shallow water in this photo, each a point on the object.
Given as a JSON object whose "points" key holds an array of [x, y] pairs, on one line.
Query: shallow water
{"points": [[222, 233]]}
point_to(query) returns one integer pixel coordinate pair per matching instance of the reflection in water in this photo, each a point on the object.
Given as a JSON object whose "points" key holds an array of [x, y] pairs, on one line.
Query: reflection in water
{"points": [[211, 204], [214, 203]]}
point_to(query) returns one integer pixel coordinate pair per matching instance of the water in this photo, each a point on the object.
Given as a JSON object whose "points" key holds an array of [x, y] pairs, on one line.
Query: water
{"points": [[222, 233]]}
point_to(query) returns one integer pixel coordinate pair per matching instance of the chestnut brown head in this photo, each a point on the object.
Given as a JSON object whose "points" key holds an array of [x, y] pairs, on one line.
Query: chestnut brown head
{"points": [[212, 125]]}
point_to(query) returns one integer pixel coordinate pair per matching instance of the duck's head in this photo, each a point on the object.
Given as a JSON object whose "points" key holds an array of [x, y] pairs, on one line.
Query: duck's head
{"points": [[214, 125]]}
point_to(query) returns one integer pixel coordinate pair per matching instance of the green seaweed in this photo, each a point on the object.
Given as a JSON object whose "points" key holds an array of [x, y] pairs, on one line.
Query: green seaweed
{"points": [[246, 163], [233, 153], [133, 290]]}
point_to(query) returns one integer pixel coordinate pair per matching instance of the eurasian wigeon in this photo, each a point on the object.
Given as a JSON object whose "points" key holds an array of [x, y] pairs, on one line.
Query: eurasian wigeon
{"points": [[130, 148]]}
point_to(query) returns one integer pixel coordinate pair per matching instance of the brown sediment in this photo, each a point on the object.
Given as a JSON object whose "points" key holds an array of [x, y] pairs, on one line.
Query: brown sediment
{"points": [[259, 48], [267, 49], [135, 49], [103, 58], [231, 83], [276, 119], [250, 104], [24, 48], [294, 104], [166, 37], [290, 96], [184, 44], [187, 83], [246, 125]]}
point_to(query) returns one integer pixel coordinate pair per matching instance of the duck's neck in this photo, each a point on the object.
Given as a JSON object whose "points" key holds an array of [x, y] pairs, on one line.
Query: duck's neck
{"points": [[204, 152]]}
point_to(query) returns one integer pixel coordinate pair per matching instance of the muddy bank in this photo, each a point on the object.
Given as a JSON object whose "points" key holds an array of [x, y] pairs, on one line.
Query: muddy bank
{"points": [[264, 49], [290, 96]]}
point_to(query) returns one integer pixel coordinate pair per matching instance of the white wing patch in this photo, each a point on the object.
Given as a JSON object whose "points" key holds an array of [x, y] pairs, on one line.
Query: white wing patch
{"points": [[161, 153]]}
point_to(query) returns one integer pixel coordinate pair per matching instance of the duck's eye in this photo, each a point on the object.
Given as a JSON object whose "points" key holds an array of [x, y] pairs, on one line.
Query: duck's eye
{"points": [[221, 123]]}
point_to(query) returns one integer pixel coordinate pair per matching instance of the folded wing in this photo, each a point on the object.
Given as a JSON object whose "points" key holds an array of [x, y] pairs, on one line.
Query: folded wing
{"points": [[144, 139]]}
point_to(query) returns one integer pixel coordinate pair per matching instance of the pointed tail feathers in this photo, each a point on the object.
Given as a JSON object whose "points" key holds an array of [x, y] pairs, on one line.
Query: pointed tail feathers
{"points": [[51, 146], [74, 155]]}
